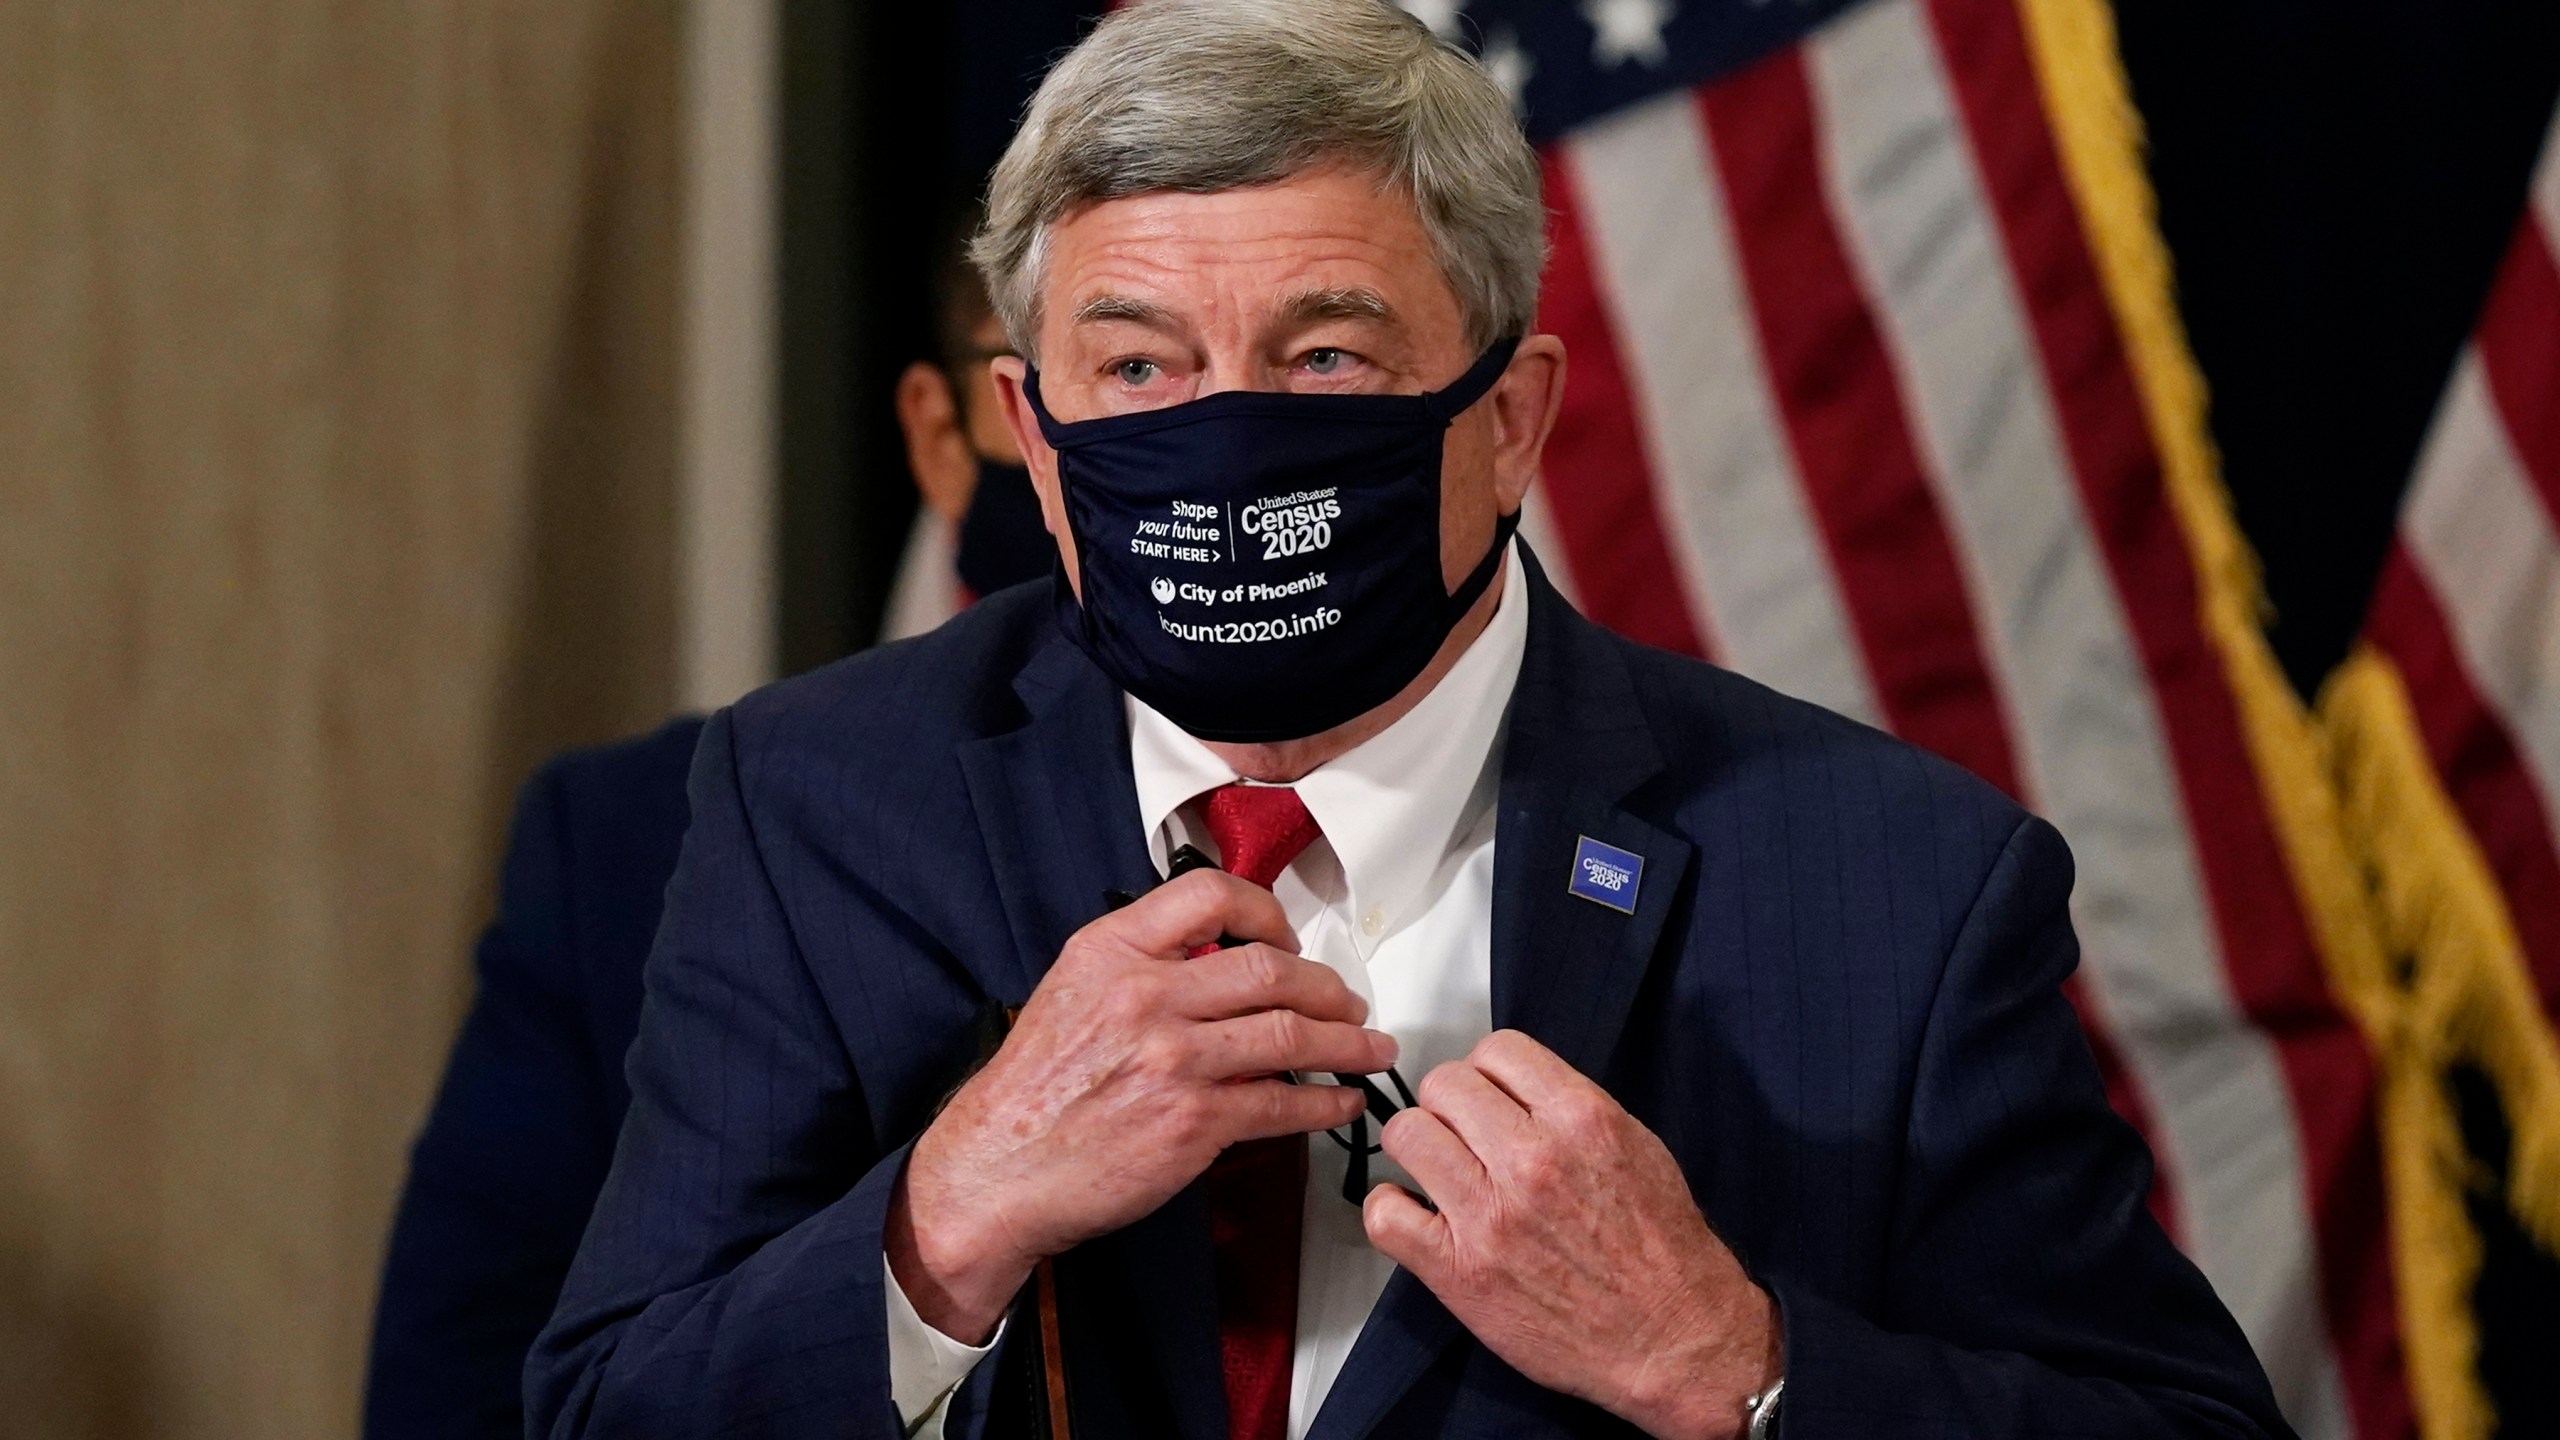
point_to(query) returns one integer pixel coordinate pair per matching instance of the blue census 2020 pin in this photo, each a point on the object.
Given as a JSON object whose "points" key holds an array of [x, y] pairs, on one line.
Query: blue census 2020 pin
{"points": [[1606, 875]]}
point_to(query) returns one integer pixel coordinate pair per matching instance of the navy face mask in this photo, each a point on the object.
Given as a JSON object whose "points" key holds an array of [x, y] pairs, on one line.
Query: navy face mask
{"points": [[1003, 540], [1262, 566]]}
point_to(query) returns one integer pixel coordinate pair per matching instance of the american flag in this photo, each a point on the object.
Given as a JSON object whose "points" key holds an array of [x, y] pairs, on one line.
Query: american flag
{"points": [[1876, 393], [2468, 609], [2447, 722]]}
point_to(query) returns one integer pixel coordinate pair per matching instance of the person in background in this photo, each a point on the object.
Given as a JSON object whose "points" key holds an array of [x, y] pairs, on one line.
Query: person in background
{"points": [[517, 1143], [515, 1148], [979, 529]]}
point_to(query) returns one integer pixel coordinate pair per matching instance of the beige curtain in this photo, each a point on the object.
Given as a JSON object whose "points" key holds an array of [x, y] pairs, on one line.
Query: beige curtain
{"points": [[336, 486]]}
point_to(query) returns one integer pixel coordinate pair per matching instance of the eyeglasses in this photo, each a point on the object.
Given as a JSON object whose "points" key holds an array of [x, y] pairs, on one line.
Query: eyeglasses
{"points": [[1357, 1145]]}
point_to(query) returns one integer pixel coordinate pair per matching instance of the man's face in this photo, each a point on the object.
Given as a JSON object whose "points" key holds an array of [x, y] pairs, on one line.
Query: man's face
{"points": [[1323, 283]]}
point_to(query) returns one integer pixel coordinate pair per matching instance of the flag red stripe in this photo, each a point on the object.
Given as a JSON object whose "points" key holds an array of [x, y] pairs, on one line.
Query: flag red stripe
{"points": [[1848, 424], [1596, 467], [2269, 955], [2519, 345], [2476, 756]]}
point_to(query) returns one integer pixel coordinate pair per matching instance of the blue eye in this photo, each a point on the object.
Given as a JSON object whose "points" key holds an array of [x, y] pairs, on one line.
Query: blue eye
{"points": [[1134, 372], [1325, 362]]}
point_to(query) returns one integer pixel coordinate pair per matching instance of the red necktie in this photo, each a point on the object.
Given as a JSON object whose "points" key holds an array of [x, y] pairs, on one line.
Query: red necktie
{"points": [[1257, 1189]]}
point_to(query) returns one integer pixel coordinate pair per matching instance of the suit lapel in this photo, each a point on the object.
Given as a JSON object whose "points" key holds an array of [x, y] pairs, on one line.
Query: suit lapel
{"points": [[1565, 969], [1058, 808]]}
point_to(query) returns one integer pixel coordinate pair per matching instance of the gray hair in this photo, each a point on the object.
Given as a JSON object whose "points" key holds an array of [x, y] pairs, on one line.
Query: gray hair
{"points": [[1209, 95]]}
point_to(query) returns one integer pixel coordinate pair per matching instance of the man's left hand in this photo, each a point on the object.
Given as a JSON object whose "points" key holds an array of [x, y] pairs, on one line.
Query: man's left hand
{"points": [[1566, 1240]]}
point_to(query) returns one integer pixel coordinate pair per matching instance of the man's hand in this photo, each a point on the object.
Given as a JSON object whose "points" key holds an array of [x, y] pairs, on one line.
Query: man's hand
{"points": [[1567, 1242], [1131, 1068]]}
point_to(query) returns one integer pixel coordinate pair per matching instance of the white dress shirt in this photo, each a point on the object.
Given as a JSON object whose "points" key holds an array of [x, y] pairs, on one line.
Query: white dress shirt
{"points": [[1397, 898]]}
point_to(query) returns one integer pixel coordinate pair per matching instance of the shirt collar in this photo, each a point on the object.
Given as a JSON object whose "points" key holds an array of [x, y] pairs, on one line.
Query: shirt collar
{"points": [[1393, 806]]}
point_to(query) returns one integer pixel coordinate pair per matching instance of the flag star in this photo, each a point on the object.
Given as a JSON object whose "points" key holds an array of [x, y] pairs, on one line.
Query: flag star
{"points": [[1624, 30], [1440, 15], [1509, 65]]}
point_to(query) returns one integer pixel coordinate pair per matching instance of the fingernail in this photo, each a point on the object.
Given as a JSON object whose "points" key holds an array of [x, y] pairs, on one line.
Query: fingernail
{"points": [[1386, 1047]]}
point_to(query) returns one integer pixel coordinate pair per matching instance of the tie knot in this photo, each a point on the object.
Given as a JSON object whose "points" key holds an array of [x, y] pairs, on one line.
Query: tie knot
{"points": [[1258, 829]]}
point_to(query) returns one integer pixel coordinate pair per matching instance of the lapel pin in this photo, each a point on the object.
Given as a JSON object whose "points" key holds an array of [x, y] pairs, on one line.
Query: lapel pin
{"points": [[1606, 875]]}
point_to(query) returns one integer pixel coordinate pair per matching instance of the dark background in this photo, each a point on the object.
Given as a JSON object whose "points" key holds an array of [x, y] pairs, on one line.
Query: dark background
{"points": [[892, 116], [2336, 179]]}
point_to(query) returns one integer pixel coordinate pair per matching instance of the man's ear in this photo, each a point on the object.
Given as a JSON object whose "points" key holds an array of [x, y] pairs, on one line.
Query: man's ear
{"points": [[1525, 403], [938, 450], [1014, 406], [1015, 411]]}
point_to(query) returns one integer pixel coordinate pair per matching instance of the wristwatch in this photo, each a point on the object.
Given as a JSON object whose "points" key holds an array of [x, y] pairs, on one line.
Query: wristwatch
{"points": [[1761, 1411]]}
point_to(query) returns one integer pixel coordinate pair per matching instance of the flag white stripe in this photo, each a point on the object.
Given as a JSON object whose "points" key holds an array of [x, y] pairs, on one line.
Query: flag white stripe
{"points": [[1736, 516], [2091, 745], [2480, 532]]}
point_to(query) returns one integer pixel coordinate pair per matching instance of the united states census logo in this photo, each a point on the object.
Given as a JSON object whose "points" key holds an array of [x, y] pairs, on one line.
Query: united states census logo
{"points": [[1163, 589], [1612, 878], [1606, 875]]}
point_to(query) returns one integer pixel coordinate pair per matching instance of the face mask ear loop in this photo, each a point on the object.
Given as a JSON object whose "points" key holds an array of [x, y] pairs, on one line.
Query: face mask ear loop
{"points": [[1473, 587], [1462, 393], [1447, 405], [1049, 426]]}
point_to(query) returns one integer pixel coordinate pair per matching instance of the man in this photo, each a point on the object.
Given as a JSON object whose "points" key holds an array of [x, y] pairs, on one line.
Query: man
{"points": [[978, 528], [513, 1151], [1749, 1100], [512, 1154]]}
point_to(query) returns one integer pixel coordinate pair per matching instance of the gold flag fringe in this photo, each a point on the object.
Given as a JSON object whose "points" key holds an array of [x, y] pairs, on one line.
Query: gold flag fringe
{"points": [[2345, 829], [2469, 998]]}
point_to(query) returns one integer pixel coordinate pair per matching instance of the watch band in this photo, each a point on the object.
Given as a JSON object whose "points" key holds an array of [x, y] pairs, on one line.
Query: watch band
{"points": [[1762, 1411]]}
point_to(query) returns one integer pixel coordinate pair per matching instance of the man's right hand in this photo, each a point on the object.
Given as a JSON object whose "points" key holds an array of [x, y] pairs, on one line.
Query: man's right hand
{"points": [[1131, 1068]]}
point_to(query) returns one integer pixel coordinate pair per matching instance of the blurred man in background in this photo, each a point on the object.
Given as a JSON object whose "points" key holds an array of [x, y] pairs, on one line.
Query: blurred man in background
{"points": [[513, 1151], [978, 529], [517, 1143]]}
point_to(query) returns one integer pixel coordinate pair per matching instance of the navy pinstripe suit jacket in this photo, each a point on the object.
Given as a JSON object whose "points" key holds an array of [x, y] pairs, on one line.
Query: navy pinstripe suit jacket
{"points": [[507, 1166], [1837, 1000]]}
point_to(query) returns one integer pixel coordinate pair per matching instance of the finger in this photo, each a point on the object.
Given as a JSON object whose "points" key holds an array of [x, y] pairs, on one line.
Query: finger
{"points": [[1482, 1113], [1268, 1041], [1261, 1109], [1245, 978], [1532, 1073], [1406, 1231], [1197, 909], [1435, 1157]]}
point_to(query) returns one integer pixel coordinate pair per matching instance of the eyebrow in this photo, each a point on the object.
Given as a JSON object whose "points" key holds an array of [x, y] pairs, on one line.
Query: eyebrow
{"points": [[1123, 307], [1348, 303]]}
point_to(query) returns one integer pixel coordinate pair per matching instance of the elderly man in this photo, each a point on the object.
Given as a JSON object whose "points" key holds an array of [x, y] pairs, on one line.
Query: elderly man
{"points": [[1749, 1102]]}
